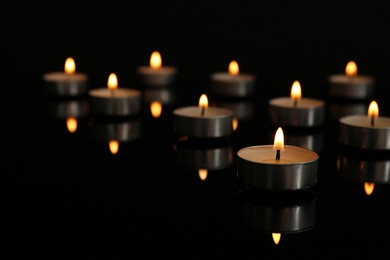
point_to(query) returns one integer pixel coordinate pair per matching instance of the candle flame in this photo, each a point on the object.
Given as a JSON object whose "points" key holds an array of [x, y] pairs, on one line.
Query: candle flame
{"points": [[202, 174], [279, 140], [112, 81], [71, 124], [233, 68], [156, 108], [296, 92], [369, 188], [373, 109], [235, 124], [155, 60], [70, 66], [114, 146], [203, 101], [276, 237], [351, 69]]}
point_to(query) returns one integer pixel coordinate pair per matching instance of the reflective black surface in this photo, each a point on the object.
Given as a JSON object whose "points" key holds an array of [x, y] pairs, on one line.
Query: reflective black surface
{"points": [[66, 196]]}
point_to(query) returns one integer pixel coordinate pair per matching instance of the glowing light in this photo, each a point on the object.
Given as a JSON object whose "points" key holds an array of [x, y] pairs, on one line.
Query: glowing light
{"points": [[71, 124], [70, 66], [235, 123], [156, 109], [112, 82], [276, 237], [233, 68], [351, 69], [373, 109], [296, 92], [155, 60], [114, 146], [202, 174], [279, 140], [203, 101], [369, 188]]}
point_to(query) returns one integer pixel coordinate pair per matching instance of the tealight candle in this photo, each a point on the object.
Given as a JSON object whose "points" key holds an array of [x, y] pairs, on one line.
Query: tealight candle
{"points": [[369, 131], [114, 101], [67, 82], [156, 74], [296, 111], [279, 167], [203, 121], [351, 85], [233, 83]]}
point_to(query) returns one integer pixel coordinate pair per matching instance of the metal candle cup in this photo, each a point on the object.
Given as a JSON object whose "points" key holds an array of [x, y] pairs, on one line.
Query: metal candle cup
{"points": [[296, 169], [357, 131]]}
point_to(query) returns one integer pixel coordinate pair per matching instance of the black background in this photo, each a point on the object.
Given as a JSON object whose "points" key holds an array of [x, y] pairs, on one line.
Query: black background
{"points": [[66, 197]]}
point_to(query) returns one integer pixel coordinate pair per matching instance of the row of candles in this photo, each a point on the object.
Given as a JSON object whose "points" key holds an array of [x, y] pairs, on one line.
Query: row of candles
{"points": [[276, 167]]}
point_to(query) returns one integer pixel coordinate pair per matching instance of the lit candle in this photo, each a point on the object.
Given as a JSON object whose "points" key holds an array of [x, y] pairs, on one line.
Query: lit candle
{"points": [[67, 82], [157, 98], [369, 131], [233, 82], [351, 85], [115, 101], [156, 74], [203, 121], [277, 167], [296, 111]]}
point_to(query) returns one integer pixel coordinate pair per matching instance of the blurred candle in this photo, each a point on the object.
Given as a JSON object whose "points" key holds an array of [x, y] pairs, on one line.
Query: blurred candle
{"points": [[115, 101], [277, 167], [351, 85], [369, 131], [156, 74], [296, 111], [233, 83], [203, 121], [67, 83]]}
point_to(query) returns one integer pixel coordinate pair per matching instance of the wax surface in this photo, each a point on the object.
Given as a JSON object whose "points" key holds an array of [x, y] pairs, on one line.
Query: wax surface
{"points": [[147, 70], [224, 76], [62, 76], [344, 79], [117, 93], [365, 121], [266, 154], [210, 112], [303, 103]]}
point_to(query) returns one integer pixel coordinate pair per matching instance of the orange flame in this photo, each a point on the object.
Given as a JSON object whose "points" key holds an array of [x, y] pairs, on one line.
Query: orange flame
{"points": [[156, 109], [296, 92], [202, 174], [276, 237], [203, 101], [71, 124], [369, 188], [233, 68], [114, 146], [351, 69], [279, 140], [112, 81], [155, 60], [373, 109], [70, 66], [235, 123]]}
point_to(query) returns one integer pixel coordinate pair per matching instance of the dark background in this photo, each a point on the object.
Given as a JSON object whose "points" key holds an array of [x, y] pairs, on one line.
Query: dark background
{"points": [[66, 197]]}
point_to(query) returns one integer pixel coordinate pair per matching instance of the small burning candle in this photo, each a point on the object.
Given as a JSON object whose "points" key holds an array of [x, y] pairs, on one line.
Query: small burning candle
{"points": [[277, 167], [233, 83], [296, 111], [114, 101], [369, 131], [156, 74], [67, 83], [351, 85], [203, 121]]}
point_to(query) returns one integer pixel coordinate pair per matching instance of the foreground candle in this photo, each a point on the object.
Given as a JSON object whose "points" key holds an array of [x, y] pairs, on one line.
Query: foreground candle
{"points": [[203, 121], [156, 74], [114, 101], [296, 111], [279, 167], [67, 82], [369, 131], [351, 85], [233, 83]]}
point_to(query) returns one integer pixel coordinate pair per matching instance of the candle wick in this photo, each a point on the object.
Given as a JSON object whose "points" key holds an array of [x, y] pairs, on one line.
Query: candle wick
{"points": [[203, 111], [295, 104], [112, 91], [372, 121], [277, 155]]}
